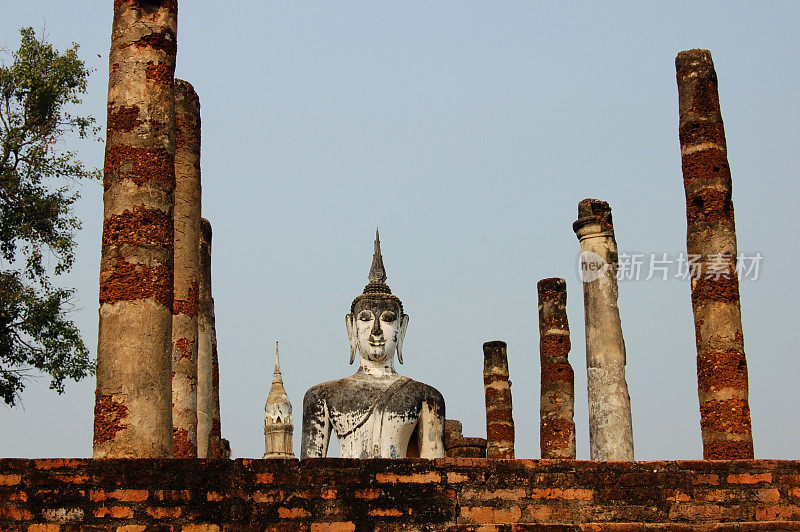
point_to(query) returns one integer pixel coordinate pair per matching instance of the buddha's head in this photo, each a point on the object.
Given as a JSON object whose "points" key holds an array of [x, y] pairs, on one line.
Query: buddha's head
{"points": [[376, 325]]}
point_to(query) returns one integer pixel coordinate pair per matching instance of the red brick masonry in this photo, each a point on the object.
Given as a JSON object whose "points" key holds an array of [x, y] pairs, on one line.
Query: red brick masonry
{"points": [[412, 494]]}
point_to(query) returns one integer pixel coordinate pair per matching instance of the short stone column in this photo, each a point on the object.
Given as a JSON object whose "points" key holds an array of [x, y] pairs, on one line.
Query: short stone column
{"points": [[452, 432], [457, 446], [187, 270], [711, 245], [133, 411], [557, 401], [610, 426], [497, 387], [205, 342]]}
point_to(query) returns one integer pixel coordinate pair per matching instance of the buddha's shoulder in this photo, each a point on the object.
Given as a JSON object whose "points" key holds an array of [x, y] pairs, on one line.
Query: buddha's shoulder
{"points": [[325, 388], [426, 390]]}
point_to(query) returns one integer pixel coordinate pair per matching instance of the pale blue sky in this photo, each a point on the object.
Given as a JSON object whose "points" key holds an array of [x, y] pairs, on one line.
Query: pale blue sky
{"points": [[468, 131]]}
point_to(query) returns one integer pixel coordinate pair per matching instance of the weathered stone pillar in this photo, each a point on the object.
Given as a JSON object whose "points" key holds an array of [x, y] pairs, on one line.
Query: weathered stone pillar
{"points": [[711, 238], [133, 414], [187, 270], [204, 346], [216, 446], [610, 427], [208, 415], [557, 403], [497, 386]]}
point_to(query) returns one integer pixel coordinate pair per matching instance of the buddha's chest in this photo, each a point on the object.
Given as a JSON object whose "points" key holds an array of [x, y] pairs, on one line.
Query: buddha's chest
{"points": [[368, 427]]}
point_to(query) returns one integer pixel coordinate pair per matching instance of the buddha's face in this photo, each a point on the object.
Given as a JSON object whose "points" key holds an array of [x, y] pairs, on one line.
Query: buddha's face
{"points": [[379, 327]]}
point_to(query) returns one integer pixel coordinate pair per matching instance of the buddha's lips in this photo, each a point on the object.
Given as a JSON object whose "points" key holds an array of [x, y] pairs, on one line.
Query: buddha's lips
{"points": [[377, 344]]}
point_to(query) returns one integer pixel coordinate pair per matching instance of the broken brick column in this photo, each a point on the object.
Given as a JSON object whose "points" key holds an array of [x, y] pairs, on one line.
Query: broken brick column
{"points": [[610, 426], [187, 270], [497, 386], [457, 446], [133, 411], [204, 346], [557, 400], [711, 238]]}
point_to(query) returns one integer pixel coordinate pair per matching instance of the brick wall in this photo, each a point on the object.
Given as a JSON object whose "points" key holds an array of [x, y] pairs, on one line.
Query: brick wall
{"points": [[448, 494]]}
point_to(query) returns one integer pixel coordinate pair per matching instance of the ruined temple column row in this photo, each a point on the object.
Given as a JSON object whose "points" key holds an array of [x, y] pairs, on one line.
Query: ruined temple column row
{"points": [[610, 425], [187, 270], [557, 400], [208, 419], [133, 414], [711, 237], [497, 386]]}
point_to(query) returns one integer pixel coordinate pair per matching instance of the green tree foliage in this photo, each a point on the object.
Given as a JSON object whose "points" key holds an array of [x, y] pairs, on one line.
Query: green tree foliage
{"points": [[37, 225]]}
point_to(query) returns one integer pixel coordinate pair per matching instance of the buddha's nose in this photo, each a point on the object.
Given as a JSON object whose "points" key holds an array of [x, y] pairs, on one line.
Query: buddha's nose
{"points": [[376, 327]]}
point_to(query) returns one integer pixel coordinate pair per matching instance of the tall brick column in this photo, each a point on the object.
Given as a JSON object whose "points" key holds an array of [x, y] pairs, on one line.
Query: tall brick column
{"points": [[711, 237], [497, 386], [187, 270], [133, 413], [557, 403], [610, 426]]}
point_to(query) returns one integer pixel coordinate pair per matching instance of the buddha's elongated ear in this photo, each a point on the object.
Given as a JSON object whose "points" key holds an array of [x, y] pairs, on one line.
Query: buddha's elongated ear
{"points": [[401, 336], [350, 321]]}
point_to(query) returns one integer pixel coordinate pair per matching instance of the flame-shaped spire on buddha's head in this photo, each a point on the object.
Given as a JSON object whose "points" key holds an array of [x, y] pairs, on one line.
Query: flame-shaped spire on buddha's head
{"points": [[377, 287], [377, 272]]}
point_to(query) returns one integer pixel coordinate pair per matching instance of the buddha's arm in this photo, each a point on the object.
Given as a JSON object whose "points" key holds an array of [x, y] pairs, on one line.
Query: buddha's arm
{"points": [[316, 426], [431, 426]]}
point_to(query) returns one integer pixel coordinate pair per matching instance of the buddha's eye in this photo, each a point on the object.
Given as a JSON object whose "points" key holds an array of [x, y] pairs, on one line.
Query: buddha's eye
{"points": [[389, 317], [365, 316]]}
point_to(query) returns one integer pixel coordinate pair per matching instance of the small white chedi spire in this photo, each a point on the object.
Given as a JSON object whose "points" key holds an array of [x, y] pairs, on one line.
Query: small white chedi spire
{"points": [[278, 424]]}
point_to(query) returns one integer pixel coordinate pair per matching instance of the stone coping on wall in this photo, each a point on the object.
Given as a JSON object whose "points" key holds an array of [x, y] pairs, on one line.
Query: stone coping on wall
{"points": [[335, 494]]}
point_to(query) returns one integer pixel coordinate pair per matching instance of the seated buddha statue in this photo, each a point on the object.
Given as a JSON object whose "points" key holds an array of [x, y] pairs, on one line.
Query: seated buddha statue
{"points": [[375, 413]]}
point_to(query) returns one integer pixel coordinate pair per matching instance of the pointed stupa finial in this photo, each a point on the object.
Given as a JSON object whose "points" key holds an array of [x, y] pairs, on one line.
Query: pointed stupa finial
{"points": [[276, 376], [377, 273]]}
